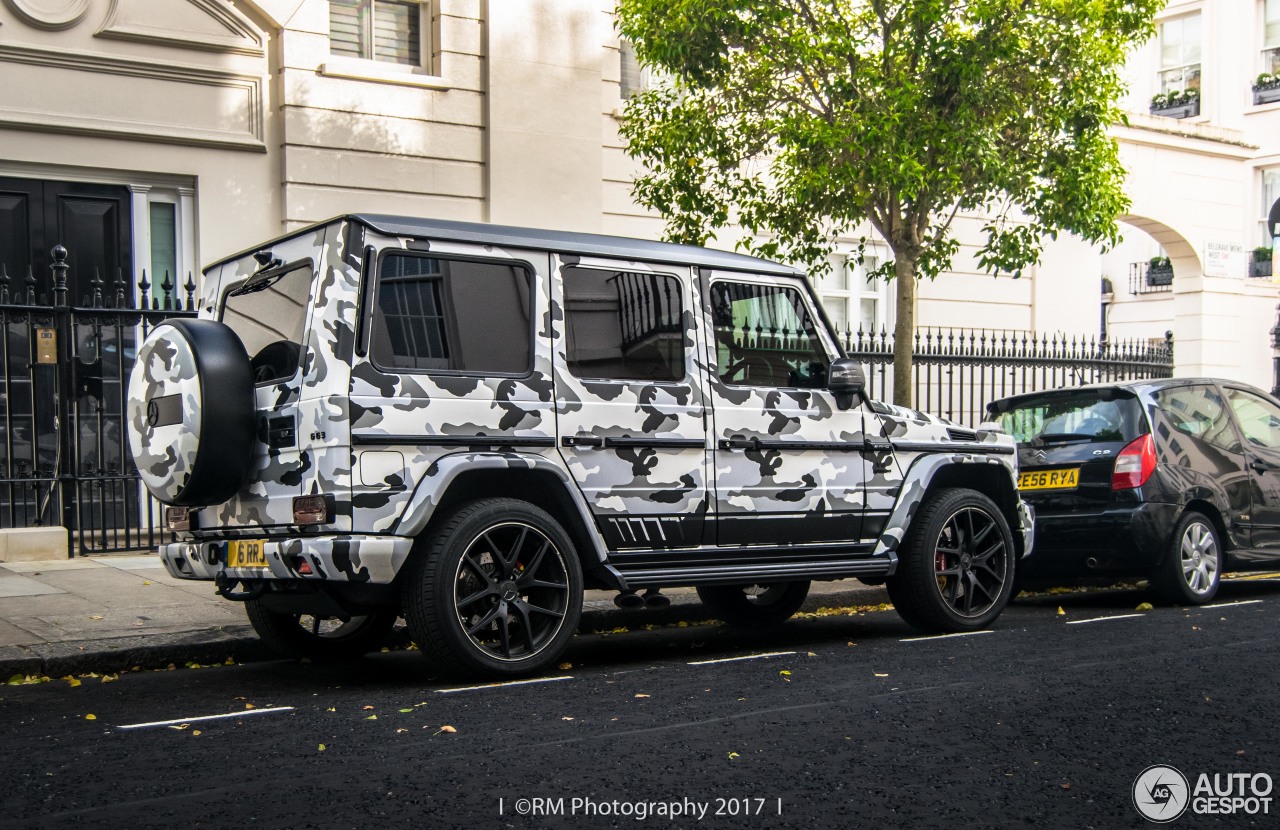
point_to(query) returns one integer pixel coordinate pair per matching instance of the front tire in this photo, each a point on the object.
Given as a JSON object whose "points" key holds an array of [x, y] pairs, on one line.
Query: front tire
{"points": [[320, 638], [497, 592], [754, 605], [956, 565], [1192, 570]]}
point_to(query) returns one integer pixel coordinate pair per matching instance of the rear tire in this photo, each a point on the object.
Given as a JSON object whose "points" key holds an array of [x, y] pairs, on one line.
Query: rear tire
{"points": [[496, 593], [956, 565], [320, 638], [1192, 571], [754, 605]]}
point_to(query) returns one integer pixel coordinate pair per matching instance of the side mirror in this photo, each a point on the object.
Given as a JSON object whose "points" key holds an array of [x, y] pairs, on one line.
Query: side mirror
{"points": [[845, 380]]}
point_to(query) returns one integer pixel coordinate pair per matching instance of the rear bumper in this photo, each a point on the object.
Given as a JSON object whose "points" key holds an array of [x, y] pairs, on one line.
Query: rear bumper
{"points": [[360, 559], [1125, 541]]}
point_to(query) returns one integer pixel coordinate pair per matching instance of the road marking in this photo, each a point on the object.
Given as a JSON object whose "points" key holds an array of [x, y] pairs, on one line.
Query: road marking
{"points": [[743, 657], [945, 636], [1229, 604], [1254, 576], [507, 683], [244, 714], [1104, 619]]}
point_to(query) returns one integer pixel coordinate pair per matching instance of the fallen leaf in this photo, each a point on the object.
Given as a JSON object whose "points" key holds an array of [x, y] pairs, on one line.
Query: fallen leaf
{"points": [[642, 695], [565, 666], [229, 662], [195, 732], [181, 726], [1240, 752], [321, 747], [405, 710], [331, 709], [398, 731], [416, 705], [250, 706], [90, 717], [448, 730], [146, 582], [1144, 606], [811, 654], [372, 717], [785, 673], [71, 681], [366, 708], [732, 755], [1065, 786], [1061, 613], [566, 717], [95, 617], [850, 644], [878, 674], [110, 678], [239, 697]]}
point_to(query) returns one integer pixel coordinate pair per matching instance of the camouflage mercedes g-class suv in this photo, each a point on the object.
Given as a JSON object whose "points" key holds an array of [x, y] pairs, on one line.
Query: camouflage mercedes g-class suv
{"points": [[466, 425]]}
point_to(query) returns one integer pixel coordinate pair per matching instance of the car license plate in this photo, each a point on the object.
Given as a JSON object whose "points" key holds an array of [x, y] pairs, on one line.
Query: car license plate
{"points": [[1049, 479], [246, 553]]}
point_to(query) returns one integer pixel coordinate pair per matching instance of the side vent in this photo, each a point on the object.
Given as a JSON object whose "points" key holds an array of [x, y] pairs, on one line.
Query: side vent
{"points": [[961, 434]]}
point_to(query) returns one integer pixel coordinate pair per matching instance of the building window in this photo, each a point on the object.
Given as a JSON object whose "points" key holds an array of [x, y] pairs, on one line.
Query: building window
{"points": [[382, 30], [634, 77], [1180, 54], [164, 249], [853, 304], [1271, 38], [1270, 195]]}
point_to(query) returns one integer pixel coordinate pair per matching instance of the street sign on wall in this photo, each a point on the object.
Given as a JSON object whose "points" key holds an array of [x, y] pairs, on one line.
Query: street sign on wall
{"points": [[1224, 259]]}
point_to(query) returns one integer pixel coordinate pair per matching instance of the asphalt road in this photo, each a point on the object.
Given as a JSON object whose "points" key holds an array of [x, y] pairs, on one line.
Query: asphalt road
{"points": [[835, 721]]}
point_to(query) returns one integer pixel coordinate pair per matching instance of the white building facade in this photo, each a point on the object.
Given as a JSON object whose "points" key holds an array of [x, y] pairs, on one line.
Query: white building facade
{"points": [[161, 135]]}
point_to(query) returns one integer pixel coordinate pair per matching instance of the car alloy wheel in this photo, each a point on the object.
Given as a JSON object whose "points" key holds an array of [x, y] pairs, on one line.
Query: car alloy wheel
{"points": [[1198, 552], [969, 562]]}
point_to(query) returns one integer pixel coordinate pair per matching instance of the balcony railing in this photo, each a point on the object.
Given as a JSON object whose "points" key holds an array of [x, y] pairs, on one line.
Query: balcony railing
{"points": [[1150, 278]]}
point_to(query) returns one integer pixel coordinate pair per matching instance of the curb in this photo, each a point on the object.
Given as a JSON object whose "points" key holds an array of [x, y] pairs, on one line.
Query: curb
{"points": [[241, 644]]}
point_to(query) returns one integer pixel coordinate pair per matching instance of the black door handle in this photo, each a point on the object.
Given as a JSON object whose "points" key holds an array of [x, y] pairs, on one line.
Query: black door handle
{"points": [[739, 442]]}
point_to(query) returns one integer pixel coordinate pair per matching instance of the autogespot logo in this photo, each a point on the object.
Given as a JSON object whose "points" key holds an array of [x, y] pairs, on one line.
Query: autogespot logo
{"points": [[1161, 793]]}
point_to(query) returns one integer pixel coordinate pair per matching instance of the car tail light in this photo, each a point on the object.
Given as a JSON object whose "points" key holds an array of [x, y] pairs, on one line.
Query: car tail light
{"points": [[178, 518], [310, 510], [1135, 464]]}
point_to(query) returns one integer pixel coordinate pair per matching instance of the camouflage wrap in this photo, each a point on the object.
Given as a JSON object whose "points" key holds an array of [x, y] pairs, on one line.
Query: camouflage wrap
{"points": [[371, 559], [164, 454]]}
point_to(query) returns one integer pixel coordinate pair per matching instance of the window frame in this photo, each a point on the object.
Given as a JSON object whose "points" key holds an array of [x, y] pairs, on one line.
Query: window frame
{"points": [[1226, 412], [1268, 233], [370, 67], [1182, 67], [1270, 45], [1245, 442], [369, 315], [685, 379]]}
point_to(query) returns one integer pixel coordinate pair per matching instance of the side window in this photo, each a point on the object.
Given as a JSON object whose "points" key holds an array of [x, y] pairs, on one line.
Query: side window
{"points": [[623, 325], [269, 315], [765, 336], [1259, 419], [1199, 411], [447, 315]]}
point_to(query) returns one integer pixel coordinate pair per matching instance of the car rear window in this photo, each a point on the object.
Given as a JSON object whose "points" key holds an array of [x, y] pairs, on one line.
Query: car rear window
{"points": [[1094, 415]]}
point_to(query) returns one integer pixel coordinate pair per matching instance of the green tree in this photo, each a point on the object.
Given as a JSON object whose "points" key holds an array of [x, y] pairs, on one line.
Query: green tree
{"points": [[799, 120]]}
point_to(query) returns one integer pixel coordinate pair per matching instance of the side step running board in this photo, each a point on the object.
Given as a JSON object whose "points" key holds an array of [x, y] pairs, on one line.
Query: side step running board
{"points": [[728, 574]]}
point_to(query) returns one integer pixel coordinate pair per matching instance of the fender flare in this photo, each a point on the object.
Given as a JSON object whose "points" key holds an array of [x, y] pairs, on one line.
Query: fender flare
{"points": [[914, 486], [442, 472]]}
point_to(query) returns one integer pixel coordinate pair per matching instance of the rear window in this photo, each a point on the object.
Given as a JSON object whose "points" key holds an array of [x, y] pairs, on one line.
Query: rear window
{"points": [[1079, 416], [269, 314]]}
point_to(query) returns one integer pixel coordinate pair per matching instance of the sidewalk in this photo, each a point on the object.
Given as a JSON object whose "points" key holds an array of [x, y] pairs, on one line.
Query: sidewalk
{"points": [[109, 613]]}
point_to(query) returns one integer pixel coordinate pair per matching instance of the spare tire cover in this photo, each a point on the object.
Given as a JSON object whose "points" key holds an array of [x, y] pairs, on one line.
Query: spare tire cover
{"points": [[191, 412]]}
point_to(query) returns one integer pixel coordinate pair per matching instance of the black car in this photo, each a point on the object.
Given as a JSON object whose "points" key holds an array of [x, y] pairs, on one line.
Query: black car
{"points": [[1175, 480]]}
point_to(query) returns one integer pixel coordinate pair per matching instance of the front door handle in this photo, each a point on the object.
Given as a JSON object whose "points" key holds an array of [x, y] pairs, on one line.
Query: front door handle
{"points": [[739, 442], [1260, 467]]}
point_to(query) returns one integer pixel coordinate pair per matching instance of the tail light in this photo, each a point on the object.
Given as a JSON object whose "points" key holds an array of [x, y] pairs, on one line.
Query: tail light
{"points": [[1135, 464], [311, 510], [178, 518]]}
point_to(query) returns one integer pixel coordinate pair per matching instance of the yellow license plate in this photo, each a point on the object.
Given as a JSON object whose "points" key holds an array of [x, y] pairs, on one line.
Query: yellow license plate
{"points": [[246, 554], [1049, 479]]}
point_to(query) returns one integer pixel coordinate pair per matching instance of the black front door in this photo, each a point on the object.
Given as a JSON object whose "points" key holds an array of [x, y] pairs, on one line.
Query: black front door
{"points": [[91, 221]]}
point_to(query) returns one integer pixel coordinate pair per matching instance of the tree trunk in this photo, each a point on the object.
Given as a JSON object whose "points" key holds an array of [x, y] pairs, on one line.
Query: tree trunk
{"points": [[904, 328]]}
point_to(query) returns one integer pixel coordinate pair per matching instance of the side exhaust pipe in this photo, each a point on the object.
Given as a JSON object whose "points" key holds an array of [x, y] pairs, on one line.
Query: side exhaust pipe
{"points": [[629, 600], [654, 599]]}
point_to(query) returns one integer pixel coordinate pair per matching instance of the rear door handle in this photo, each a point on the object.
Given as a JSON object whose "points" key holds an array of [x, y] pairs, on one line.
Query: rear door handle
{"points": [[738, 442]]}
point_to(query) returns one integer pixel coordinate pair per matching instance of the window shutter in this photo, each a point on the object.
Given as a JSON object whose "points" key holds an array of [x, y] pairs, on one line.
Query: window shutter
{"points": [[397, 32], [632, 77], [344, 27]]}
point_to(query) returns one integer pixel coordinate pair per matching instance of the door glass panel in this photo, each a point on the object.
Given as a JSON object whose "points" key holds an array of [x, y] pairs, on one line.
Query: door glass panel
{"points": [[623, 326], [765, 336], [269, 315], [1199, 411], [1259, 419]]}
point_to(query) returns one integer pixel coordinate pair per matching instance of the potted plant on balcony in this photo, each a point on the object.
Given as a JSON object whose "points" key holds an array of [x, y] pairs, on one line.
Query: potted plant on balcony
{"points": [[1176, 103], [1159, 271], [1266, 88], [1261, 265]]}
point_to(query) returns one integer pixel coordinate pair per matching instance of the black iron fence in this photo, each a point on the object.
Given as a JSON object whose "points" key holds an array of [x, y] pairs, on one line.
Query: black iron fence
{"points": [[957, 372], [64, 457]]}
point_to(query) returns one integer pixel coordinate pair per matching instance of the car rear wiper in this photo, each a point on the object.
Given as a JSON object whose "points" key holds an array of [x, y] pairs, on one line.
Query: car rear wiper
{"points": [[1059, 438]]}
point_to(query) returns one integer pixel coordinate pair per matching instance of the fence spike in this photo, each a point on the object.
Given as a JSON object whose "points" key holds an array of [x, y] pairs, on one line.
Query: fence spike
{"points": [[144, 291], [96, 282], [4, 283], [59, 268], [31, 286], [167, 288], [191, 293], [119, 287]]}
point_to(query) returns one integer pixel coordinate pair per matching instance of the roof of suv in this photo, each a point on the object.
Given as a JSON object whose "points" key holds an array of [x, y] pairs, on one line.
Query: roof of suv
{"points": [[591, 244]]}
